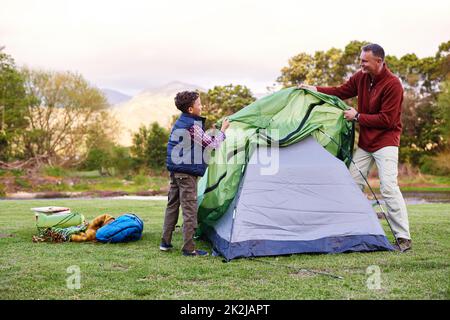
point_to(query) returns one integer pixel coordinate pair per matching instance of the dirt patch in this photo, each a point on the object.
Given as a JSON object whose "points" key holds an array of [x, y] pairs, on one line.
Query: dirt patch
{"points": [[147, 193], [8, 184], [51, 195], [424, 185], [21, 195], [119, 267], [6, 235], [103, 193], [30, 181], [302, 274]]}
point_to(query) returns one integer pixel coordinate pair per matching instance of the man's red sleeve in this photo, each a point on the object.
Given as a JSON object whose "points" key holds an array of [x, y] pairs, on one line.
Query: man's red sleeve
{"points": [[346, 91]]}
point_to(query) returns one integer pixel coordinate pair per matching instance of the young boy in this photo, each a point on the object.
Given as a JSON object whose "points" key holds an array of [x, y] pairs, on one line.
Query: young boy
{"points": [[185, 162]]}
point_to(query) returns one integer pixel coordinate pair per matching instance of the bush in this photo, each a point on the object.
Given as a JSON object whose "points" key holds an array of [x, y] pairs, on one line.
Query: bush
{"points": [[111, 161], [412, 155], [149, 146], [54, 171], [96, 159], [17, 172], [121, 160], [140, 179], [22, 182], [438, 165]]}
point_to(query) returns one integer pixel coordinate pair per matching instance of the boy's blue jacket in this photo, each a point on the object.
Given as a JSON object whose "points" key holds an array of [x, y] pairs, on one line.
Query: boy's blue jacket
{"points": [[183, 155]]}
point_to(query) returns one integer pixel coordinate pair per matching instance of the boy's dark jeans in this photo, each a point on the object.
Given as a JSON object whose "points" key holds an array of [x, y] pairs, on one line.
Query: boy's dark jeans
{"points": [[183, 190]]}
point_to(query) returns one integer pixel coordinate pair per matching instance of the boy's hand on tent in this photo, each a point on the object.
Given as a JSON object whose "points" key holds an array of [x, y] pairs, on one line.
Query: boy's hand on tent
{"points": [[305, 86], [225, 124]]}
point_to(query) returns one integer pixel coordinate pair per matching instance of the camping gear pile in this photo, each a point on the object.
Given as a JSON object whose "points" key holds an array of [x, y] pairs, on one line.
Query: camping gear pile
{"points": [[310, 204], [59, 224]]}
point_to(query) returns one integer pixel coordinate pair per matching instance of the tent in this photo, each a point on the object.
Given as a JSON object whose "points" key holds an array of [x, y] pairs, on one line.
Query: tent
{"points": [[310, 204]]}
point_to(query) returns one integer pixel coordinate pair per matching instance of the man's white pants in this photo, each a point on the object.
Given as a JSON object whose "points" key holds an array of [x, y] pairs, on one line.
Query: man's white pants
{"points": [[386, 160]]}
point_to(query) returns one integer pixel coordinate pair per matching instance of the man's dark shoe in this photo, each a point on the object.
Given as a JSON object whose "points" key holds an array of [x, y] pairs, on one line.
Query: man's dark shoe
{"points": [[195, 253], [403, 245], [164, 246]]}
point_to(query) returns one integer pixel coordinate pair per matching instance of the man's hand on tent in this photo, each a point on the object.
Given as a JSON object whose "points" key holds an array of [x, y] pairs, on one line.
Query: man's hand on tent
{"points": [[350, 114], [305, 86]]}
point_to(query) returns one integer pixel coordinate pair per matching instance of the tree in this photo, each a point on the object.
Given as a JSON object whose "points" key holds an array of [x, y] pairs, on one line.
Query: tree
{"points": [[423, 131], [150, 146], [440, 163], [66, 111], [422, 134], [423, 116], [13, 103], [224, 100], [444, 110], [443, 103], [325, 68]]}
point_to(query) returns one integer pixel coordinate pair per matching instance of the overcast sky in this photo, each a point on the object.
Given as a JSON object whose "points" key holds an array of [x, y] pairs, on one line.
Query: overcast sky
{"points": [[132, 45]]}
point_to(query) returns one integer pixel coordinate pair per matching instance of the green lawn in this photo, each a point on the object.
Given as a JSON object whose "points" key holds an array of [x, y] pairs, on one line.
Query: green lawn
{"points": [[140, 271]]}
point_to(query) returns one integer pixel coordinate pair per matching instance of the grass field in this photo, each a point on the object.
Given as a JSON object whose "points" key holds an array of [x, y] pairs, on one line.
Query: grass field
{"points": [[140, 271]]}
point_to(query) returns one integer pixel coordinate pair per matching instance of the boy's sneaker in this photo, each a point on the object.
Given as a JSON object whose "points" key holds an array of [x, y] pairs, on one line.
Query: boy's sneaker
{"points": [[195, 253], [165, 247]]}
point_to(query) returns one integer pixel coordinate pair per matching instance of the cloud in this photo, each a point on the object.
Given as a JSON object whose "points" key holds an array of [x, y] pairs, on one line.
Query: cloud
{"points": [[133, 44]]}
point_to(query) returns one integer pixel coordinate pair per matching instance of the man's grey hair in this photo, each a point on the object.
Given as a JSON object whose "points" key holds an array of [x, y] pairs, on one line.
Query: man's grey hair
{"points": [[376, 49]]}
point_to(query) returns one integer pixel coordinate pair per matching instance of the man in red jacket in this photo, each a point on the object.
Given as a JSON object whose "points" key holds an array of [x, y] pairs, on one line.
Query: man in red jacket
{"points": [[380, 96]]}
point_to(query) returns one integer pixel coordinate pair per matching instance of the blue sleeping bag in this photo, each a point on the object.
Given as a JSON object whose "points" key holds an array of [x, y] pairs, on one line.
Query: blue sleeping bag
{"points": [[127, 227]]}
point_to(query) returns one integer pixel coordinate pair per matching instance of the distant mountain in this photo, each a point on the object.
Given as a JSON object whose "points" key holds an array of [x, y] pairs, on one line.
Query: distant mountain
{"points": [[153, 104], [115, 97], [172, 88], [150, 105]]}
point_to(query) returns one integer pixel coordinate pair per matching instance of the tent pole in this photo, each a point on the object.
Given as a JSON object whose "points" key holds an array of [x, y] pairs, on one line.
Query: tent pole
{"points": [[231, 235]]}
